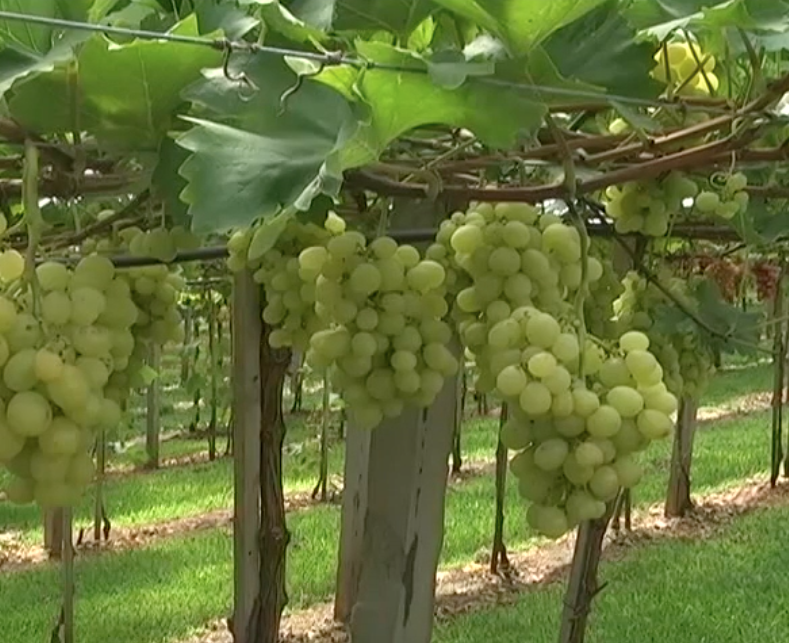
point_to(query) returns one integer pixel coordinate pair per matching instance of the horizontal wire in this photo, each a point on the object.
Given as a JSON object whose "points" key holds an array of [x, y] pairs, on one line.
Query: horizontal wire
{"points": [[338, 58], [416, 235]]}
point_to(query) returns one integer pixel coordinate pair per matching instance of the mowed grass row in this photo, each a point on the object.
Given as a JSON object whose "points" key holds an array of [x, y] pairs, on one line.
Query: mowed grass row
{"points": [[180, 492], [725, 589], [162, 592]]}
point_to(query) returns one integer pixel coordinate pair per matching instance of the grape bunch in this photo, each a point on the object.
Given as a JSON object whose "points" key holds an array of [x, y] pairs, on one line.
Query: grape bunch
{"points": [[61, 344], [577, 436], [648, 206], [154, 291], [687, 362], [685, 68], [567, 399], [727, 276], [766, 275], [725, 201], [290, 293], [373, 315]]}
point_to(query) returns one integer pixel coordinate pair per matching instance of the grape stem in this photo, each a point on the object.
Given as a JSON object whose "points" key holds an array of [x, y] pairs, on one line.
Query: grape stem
{"points": [[32, 217]]}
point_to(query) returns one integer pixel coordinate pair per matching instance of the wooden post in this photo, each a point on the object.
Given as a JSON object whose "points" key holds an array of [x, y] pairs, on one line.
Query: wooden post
{"points": [[53, 532], [392, 524], [779, 366], [185, 350], [460, 414], [678, 501], [499, 562], [582, 586], [393, 508], [101, 465], [247, 329], [68, 575], [152, 422]]}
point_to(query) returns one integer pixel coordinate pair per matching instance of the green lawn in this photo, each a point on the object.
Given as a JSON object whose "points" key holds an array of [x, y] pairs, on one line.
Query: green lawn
{"points": [[722, 590]]}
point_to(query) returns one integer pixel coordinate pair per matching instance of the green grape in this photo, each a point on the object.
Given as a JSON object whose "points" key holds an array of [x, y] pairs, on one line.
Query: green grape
{"points": [[426, 276], [535, 399], [93, 271], [625, 400], [542, 330], [585, 402], [589, 454], [52, 275], [542, 365], [19, 373], [628, 471], [11, 444], [511, 381], [47, 366], [604, 483], [634, 340], [582, 506], [549, 521], [653, 424], [551, 454], [577, 473], [514, 435], [12, 265], [604, 422], [28, 414], [62, 438], [707, 202]]}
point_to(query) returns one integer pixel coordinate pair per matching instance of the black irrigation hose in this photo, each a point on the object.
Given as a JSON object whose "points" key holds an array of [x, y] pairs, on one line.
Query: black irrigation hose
{"points": [[710, 232]]}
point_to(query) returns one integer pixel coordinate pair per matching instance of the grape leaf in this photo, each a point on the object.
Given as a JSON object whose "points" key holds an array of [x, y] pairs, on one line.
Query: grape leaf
{"points": [[724, 328], [402, 101], [521, 24], [222, 16], [761, 225], [660, 18], [279, 19], [397, 16], [252, 159], [601, 48], [127, 93], [27, 49]]}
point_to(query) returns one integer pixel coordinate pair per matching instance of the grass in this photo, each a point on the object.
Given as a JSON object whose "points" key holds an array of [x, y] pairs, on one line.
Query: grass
{"points": [[721, 590]]}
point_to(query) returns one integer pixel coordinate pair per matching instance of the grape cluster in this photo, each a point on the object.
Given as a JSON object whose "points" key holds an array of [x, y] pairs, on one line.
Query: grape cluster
{"points": [[727, 201], [577, 410], [648, 206], [766, 275], [372, 314], [685, 68], [289, 297], [60, 346], [727, 275], [687, 362], [154, 290]]}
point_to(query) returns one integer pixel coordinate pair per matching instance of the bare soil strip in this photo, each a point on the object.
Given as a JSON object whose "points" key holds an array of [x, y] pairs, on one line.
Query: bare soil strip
{"points": [[473, 588]]}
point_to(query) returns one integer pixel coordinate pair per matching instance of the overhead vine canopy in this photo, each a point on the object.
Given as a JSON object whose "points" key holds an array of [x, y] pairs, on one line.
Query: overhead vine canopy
{"points": [[242, 109]]}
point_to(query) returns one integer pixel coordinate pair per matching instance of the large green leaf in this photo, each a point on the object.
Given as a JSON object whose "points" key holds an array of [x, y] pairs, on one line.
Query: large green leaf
{"points": [[402, 101], [601, 48], [521, 24], [397, 16], [253, 158], [127, 94], [661, 17], [27, 49], [216, 15], [278, 18]]}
